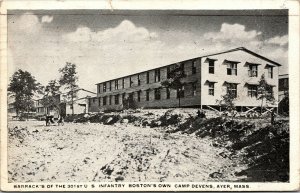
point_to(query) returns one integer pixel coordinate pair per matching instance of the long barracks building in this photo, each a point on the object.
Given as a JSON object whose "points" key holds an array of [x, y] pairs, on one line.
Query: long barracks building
{"points": [[207, 78]]}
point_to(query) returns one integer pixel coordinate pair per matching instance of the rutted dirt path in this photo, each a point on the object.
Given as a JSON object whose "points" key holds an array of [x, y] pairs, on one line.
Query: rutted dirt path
{"points": [[97, 152]]}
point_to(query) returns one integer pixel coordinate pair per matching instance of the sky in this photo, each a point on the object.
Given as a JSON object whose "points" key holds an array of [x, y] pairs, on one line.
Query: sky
{"points": [[108, 44]]}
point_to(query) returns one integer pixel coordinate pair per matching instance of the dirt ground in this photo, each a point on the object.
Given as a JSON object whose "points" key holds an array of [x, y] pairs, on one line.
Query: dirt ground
{"points": [[85, 152]]}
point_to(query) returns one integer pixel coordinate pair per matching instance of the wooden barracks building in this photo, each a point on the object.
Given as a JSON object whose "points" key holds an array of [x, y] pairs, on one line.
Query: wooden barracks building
{"points": [[207, 79]]}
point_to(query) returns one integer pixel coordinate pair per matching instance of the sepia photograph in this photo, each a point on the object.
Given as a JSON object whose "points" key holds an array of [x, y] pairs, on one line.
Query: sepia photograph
{"points": [[148, 98]]}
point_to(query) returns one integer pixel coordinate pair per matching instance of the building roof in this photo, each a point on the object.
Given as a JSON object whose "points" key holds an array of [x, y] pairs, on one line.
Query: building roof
{"points": [[224, 52]]}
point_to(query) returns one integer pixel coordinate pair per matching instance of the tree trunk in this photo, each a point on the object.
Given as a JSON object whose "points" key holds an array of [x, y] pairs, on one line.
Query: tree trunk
{"points": [[179, 93], [262, 101], [72, 101]]}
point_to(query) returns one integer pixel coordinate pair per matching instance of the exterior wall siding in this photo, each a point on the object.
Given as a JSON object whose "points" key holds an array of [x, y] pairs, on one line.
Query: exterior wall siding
{"points": [[242, 78], [197, 78]]}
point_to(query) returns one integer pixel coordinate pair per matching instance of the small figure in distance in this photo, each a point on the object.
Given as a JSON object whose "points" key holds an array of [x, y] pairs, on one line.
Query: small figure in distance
{"points": [[60, 120], [201, 114]]}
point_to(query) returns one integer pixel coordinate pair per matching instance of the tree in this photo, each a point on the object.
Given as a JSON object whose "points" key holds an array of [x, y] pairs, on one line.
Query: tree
{"points": [[69, 80], [51, 96], [227, 102], [175, 81], [264, 92], [23, 86]]}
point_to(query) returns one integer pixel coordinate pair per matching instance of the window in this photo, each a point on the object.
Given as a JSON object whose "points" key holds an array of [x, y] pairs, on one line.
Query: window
{"points": [[180, 92], [211, 66], [104, 87], [194, 87], [110, 99], [130, 81], [139, 80], [117, 99], [194, 70], [168, 92], [99, 101], [232, 89], [104, 100], [252, 90], [231, 68], [109, 85], [148, 78], [270, 71], [98, 88], [168, 72], [139, 96], [123, 83], [116, 85], [157, 94], [283, 84], [252, 72], [157, 75], [147, 95], [182, 67], [123, 97], [211, 88]]}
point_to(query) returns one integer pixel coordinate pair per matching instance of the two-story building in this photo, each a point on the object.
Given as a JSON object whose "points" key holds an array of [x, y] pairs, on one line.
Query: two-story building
{"points": [[208, 77]]}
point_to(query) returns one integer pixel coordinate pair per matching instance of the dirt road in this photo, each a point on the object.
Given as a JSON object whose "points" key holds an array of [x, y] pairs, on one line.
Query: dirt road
{"points": [[96, 152]]}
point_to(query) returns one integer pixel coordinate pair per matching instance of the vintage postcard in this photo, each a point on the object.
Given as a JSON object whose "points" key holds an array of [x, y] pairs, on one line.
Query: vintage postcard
{"points": [[150, 95]]}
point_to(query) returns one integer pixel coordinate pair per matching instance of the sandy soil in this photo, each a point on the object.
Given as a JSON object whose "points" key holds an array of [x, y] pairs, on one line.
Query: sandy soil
{"points": [[96, 152]]}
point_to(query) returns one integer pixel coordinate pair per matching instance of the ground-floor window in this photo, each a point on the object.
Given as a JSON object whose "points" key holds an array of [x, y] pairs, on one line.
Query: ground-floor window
{"points": [[99, 101], [211, 88], [232, 89], [180, 92], [157, 94], [252, 90], [104, 101], [147, 95], [117, 99], [168, 93], [194, 87], [139, 95]]}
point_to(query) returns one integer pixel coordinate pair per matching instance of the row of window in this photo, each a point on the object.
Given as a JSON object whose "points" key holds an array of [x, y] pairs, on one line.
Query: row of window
{"points": [[157, 95], [157, 78], [232, 89], [232, 68]]}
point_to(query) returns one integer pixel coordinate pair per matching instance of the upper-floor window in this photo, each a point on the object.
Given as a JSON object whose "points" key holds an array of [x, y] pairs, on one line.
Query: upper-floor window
{"points": [[252, 90], [157, 94], [182, 67], [211, 66], [116, 85], [211, 88], [104, 87], [139, 79], [283, 84], [109, 85], [117, 99], [130, 82], [232, 89], [168, 72], [231, 68], [148, 78], [123, 83], [194, 69], [252, 71], [98, 88], [157, 75], [270, 71]]}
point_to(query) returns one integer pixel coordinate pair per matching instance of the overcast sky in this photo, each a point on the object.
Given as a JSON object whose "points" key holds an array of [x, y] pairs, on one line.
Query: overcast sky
{"points": [[106, 44]]}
